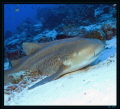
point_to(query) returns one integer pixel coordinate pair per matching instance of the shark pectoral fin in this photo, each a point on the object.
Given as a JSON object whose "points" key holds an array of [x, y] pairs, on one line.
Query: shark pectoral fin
{"points": [[50, 78]]}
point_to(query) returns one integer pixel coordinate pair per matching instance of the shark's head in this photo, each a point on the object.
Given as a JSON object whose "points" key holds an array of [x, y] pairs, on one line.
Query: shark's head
{"points": [[87, 51], [94, 49]]}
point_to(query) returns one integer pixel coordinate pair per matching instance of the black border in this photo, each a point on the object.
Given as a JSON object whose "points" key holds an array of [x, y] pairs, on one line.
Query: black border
{"points": [[48, 2]]}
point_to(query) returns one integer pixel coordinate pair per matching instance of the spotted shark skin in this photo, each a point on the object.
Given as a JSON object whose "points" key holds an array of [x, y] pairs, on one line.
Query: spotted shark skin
{"points": [[57, 57]]}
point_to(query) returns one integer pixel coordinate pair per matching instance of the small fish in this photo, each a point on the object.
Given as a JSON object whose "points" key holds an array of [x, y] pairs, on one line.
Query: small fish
{"points": [[114, 5], [16, 10]]}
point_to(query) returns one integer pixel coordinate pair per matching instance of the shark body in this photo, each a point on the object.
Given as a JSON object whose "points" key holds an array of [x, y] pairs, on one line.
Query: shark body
{"points": [[57, 57]]}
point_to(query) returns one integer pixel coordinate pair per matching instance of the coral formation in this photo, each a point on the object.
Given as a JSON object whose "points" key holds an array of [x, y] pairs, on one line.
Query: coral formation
{"points": [[14, 55], [8, 34], [44, 39], [97, 34], [106, 10], [63, 21], [109, 29], [62, 36]]}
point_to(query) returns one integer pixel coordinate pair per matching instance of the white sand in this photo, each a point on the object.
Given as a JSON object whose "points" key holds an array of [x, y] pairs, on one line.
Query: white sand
{"points": [[95, 85]]}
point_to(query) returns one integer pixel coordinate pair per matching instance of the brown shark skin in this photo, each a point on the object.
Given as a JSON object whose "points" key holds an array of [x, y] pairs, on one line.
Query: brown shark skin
{"points": [[47, 48], [43, 48], [52, 55]]}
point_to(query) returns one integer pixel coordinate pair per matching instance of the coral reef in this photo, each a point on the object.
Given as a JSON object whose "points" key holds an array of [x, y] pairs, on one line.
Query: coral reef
{"points": [[109, 29], [62, 36], [62, 21], [106, 10], [8, 34], [14, 55], [71, 30], [75, 31], [44, 39], [28, 29], [97, 34]]}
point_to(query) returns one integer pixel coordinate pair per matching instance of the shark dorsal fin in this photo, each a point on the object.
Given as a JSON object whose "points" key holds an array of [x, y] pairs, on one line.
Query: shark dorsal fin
{"points": [[31, 48]]}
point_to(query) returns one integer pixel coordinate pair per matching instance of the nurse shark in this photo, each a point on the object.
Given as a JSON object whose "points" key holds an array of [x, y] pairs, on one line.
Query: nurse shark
{"points": [[56, 58]]}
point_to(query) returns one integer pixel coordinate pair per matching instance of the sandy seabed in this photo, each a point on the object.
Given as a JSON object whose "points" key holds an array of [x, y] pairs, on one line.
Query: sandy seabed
{"points": [[94, 85]]}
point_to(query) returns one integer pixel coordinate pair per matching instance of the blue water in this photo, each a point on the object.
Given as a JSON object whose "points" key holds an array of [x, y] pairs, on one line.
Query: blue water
{"points": [[13, 18], [47, 22]]}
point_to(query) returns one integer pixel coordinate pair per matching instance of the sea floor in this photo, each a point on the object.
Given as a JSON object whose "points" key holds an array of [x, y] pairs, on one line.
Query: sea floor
{"points": [[93, 85]]}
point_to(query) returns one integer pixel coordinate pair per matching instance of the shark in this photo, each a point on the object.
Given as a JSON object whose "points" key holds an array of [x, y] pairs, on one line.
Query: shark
{"points": [[56, 58]]}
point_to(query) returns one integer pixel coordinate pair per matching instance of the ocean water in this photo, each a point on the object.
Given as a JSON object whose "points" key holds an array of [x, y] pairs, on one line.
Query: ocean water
{"points": [[14, 14], [48, 22]]}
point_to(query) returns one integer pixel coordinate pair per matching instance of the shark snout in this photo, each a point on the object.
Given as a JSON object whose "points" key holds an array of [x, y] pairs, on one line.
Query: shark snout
{"points": [[98, 47]]}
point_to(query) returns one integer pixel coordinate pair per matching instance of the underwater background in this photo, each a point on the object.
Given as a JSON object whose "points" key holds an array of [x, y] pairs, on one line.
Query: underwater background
{"points": [[41, 23], [14, 14]]}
